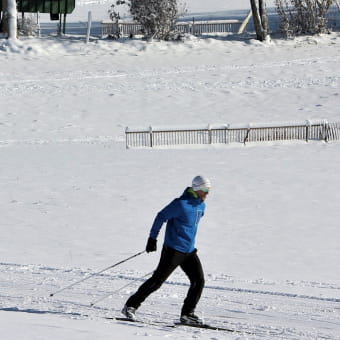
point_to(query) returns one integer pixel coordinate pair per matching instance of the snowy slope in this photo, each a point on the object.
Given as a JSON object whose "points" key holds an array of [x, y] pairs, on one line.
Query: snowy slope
{"points": [[74, 200], [263, 311]]}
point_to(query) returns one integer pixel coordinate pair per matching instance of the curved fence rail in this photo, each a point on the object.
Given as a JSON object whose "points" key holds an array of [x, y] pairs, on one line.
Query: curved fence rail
{"points": [[153, 137]]}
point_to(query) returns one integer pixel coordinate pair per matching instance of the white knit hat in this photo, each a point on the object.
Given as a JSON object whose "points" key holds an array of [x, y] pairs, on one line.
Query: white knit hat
{"points": [[200, 182]]}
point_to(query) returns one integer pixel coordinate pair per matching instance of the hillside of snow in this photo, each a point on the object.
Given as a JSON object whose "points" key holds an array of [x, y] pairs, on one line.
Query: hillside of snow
{"points": [[74, 200]]}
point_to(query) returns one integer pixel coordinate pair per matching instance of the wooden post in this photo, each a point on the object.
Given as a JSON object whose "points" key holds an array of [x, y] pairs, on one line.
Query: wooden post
{"points": [[209, 134], [226, 134], [126, 137], [88, 31], [325, 127], [245, 23], [151, 137], [307, 129], [64, 24], [59, 25], [247, 135]]}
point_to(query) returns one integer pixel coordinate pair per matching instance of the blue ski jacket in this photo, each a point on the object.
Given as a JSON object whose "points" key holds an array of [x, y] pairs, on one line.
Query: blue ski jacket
{"points": [[182, 216]]}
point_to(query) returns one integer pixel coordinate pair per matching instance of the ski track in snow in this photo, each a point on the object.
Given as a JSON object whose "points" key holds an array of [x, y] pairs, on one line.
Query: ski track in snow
{"points": [[271, 312], [151, 80], [82, 140]]}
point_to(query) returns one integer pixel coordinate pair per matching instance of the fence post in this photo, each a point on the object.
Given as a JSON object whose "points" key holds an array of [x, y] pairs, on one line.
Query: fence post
{"points": [[247, 135], [226, 133], [126, 137], [151, 137], [326, 129], [209, 134], [88, 30], [307, 129]]}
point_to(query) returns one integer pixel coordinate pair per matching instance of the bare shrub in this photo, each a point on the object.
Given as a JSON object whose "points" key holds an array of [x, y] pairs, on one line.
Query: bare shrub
{"points": [[303, 16], [28, 25]]}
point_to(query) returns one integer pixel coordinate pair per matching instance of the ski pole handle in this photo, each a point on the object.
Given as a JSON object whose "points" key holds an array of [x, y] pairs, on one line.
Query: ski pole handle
{"points": [[97, 273]]}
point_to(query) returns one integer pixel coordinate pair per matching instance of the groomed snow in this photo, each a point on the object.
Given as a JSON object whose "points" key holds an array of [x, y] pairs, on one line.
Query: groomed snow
{"points": [[74, 200]]}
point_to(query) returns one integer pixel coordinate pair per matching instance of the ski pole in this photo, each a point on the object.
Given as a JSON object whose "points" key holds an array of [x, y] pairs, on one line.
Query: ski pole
{"points": [[119, 289], [101, 271]]}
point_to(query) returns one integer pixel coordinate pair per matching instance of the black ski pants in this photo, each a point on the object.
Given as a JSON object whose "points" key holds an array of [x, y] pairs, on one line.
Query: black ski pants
{"points": [[169, 261]]}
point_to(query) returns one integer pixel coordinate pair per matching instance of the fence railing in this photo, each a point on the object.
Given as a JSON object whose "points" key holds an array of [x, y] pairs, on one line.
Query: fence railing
{"points": [[193, 27], [153, 137], [121, 28]]}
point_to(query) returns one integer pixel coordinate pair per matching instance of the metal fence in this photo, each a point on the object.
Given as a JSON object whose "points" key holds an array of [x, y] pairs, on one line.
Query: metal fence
{"points": [[228, 22], [153, 137], [122, 28], [193, 27]]}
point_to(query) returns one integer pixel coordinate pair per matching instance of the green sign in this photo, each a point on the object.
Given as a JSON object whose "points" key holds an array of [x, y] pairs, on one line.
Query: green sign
{"points": [[45, 6]]}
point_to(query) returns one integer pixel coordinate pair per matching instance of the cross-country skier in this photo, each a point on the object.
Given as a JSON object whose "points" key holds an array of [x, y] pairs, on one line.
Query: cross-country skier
{"points": [[182, 215]]}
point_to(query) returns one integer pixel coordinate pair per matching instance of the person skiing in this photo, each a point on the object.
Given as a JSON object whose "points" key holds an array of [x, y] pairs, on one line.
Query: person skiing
{"points": [[182, 216]]}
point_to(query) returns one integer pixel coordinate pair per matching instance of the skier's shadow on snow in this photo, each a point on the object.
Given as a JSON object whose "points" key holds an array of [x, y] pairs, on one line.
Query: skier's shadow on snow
{"points": [[36, 311]]}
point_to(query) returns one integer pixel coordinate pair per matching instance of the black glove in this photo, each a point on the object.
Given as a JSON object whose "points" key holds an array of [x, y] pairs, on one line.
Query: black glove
{"points": [[151, 245]]}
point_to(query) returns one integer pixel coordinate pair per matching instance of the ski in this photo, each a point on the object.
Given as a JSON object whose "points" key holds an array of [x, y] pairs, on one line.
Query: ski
{"points": [[153, 323], [213, 328], [206, 326], [177, 324], [163, 325]]}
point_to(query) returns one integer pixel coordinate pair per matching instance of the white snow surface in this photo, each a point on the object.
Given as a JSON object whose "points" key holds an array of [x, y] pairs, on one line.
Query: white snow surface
{"points": [[74, 200]]}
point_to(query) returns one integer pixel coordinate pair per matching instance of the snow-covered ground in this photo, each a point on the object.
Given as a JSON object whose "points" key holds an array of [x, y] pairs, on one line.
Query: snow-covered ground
{"points": [[74, 200]]}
